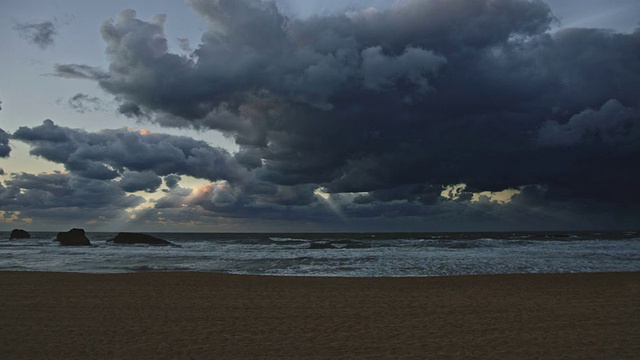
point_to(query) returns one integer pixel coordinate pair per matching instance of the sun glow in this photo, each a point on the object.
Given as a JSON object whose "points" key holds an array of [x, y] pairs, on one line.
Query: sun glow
{"points": [[454, 192], [320, 192], [201, 191], [13, 217], [501, 197]]}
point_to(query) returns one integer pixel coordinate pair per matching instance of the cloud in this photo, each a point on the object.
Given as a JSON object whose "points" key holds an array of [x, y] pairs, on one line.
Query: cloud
{"points": [[137, 160], [41, 34], [5, 149], [380, 71], [79, 71], [83, 103], [172, 181], [185, 45], [131, 110], [86, 195], [63, 190], [58, 198], [393, 104], [612, 124], [133, 181], [109, 154]]}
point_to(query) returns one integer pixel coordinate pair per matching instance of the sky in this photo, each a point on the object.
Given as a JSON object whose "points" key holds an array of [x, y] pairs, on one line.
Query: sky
{"points": [[305, 115]]}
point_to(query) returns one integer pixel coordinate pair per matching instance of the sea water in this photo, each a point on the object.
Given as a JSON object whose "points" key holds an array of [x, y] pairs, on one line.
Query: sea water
{"points": [[344, 255]]}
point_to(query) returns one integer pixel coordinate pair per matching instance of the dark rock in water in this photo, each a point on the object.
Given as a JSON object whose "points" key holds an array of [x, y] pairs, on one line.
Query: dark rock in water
{"points": [[134, 238], [19, 234], [73, 237], [321, 245]]}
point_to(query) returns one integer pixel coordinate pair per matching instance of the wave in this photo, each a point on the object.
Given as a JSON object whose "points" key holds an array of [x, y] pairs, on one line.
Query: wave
{"points": [[287, 241], [157, 268]]}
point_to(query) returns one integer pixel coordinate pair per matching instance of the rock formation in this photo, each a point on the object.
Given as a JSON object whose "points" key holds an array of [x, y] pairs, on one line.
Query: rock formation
{"points": [[135, 238], [73, 237], [19, 234]]}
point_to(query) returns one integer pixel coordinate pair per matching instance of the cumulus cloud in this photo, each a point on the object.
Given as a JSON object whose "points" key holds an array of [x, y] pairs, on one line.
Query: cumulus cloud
{"points": [[395, 104], [38, 33]]}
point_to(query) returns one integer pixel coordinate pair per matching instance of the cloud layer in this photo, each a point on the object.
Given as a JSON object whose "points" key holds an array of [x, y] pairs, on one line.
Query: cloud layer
{"points": [[105, 168], [380, 109]]}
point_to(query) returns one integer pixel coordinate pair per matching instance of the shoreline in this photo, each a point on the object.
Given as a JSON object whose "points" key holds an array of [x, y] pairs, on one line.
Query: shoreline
{"points": [[313, 277], [197, 315]]}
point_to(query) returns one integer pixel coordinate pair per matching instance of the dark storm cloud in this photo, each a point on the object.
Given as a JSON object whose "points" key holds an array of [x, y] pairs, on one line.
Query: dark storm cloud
{"points": [[41, 34], [421, 194], [172, 181], [398, 103], [108, 154], [133, 181], [5, 149], [131, 110], [612, 124]]}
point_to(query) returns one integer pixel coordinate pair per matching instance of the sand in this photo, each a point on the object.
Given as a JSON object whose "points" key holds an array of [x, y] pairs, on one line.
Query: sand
{"points": [[214, 316]]}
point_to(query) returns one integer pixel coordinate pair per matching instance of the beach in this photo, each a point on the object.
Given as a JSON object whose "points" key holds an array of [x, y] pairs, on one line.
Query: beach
{"points": [[184, 315]]}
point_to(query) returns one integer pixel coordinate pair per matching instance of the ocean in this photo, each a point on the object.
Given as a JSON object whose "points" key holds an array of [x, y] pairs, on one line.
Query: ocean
{"points": [[336, 255]]}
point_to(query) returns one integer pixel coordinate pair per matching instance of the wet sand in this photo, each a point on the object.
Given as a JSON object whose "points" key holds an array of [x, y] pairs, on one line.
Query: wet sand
{"points": [[214, 316]]}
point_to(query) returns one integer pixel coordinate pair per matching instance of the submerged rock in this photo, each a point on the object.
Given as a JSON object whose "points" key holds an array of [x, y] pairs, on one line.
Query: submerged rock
{"points": [[19, 234], [73, 237], [135, 238]]}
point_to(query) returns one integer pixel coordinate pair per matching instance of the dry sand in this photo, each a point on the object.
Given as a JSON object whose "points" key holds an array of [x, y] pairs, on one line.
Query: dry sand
{"points": [[213, 316]]}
